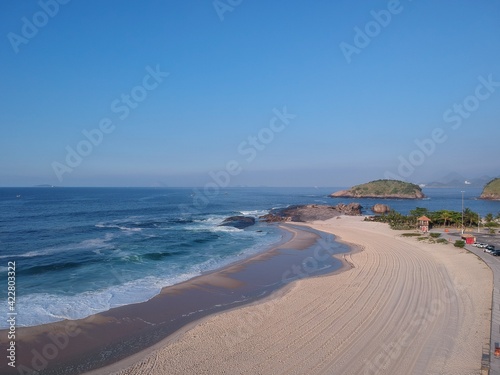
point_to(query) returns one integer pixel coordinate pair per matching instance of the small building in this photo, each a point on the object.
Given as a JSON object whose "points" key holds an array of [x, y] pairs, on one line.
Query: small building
{"points": [[468, 238], [423, 223]]}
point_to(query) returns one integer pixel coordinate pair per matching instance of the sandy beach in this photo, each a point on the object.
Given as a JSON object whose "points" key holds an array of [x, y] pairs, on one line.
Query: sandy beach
{"points": [[402, 307]]}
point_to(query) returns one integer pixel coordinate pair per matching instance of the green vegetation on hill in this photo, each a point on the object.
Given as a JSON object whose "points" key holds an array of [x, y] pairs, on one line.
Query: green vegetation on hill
{"points": [[383, 189], [492, 190], [386, 187]]}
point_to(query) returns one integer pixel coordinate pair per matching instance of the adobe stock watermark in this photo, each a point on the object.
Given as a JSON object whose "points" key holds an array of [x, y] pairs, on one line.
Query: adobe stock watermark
{"points": [[249, 149], [121, 107], [223, 6], [364, 36], [255, 316], [59, 341], [32, 25], [454, 117]]}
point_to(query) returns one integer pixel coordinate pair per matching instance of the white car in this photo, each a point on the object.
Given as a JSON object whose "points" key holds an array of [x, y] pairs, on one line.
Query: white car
{"points": [[489, 249], [482, 245]]}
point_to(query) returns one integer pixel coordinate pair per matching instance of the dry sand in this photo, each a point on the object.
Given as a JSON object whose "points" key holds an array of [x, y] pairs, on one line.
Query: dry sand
{"points": [[405, 308]]}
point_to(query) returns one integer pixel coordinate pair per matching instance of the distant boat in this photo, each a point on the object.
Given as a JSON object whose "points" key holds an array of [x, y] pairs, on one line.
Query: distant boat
{"points": [[18, 196], [467, 182]]}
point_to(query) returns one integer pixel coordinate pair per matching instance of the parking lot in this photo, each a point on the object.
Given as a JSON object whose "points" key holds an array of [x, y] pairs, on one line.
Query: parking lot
{"points": [[490, 239]]}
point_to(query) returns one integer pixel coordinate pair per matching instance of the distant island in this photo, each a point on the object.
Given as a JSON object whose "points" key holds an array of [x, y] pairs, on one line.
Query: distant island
{"points": [[383, 189], [491, 190]]}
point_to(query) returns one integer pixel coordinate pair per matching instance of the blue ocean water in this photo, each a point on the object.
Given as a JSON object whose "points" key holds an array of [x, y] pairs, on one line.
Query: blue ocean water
{"points": [[79, 251]]}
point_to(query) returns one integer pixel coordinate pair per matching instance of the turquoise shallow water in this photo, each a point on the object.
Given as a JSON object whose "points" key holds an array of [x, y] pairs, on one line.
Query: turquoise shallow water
{"points": [[79, 251]]}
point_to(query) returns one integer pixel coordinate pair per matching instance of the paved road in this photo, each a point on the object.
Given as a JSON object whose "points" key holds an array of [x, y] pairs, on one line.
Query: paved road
{"points": [[494, 264]]}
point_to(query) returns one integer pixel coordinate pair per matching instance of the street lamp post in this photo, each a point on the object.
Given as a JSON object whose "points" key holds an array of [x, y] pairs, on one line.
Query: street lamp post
{"points": [[463, 211], [478, 221]]}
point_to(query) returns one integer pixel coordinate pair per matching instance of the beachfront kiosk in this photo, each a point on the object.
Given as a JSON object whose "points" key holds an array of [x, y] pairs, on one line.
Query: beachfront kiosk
{"points": [[423, 223], [468, 238]]}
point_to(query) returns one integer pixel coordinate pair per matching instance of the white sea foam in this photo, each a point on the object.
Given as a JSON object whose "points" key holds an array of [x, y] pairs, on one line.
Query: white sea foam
{"points": [[41, 308], [117, 226], [227, 229], [102, 242], [28, 254], [255, 213], [91, 244], [126, 229]]}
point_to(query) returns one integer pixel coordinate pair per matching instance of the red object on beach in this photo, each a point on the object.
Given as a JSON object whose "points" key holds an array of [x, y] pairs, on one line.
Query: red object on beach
{"points": [[469, 238]]}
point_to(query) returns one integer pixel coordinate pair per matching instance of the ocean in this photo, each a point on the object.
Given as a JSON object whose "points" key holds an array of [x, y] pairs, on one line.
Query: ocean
{"points": [[79, 251]]}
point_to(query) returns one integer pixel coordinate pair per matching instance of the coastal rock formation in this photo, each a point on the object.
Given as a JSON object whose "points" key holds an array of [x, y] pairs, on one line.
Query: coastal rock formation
{"points": [[492, 190], [311, 212], [274, 218], [239, 222], [381, 208], [351, 209], [384, 189]]}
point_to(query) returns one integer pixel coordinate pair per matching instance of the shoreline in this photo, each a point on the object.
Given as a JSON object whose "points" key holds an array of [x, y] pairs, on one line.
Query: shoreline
{"points": [[405, 307], [123, 364], [105, 338]]}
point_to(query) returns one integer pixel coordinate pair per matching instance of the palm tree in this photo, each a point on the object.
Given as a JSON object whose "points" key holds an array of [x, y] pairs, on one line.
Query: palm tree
{"points": [[470, 217], [445, 215]]}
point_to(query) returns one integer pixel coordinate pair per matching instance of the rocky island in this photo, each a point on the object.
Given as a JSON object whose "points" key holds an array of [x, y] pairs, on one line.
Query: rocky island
{"points": [[383, 189], [492, 190]]}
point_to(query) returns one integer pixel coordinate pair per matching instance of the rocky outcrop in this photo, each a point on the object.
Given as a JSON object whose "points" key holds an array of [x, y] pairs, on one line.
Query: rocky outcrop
{"points": [[384, 189], [492, 190], [274, 218], [351, 209], [311, 212], [381, 208], [240, 222]]}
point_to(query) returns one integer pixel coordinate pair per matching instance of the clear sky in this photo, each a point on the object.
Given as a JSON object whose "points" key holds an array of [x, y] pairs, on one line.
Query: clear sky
{"points": [[277, 93]]}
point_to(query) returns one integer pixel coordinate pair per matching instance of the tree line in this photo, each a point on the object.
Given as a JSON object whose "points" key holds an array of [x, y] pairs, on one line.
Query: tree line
{"points": [[441, 218]]}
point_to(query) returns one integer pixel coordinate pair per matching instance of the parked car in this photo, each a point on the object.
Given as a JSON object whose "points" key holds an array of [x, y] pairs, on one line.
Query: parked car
{"points": [[489, 249], [495, 253], [482, 245]]}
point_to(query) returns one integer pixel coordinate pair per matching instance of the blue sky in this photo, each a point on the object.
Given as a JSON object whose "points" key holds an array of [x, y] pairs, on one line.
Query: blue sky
{"points": [[229, 70]]}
